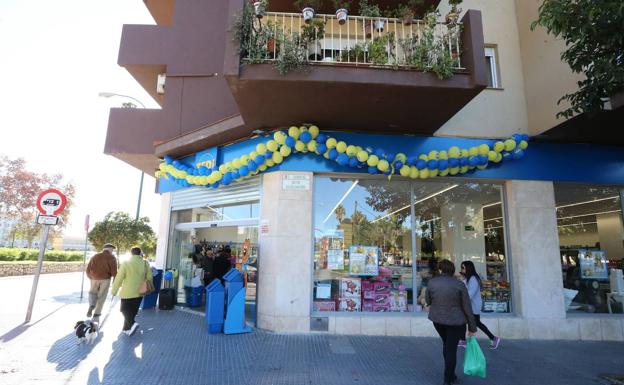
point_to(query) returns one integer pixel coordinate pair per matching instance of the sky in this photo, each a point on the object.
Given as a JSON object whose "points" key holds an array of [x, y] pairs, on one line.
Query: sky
{"points": [[55, 57]]}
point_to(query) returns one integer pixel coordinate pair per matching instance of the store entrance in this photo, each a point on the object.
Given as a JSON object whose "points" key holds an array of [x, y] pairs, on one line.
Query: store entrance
{"points": [[207, 250]]}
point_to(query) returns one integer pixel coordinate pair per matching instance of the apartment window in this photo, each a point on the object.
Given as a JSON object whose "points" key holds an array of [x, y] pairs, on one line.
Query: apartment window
{"points": [[492, 67]]}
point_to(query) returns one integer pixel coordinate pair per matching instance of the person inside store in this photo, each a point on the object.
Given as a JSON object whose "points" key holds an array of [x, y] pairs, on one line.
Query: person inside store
{"points": [[473, 284], [450, 311], [222, 263], [206, 262]]}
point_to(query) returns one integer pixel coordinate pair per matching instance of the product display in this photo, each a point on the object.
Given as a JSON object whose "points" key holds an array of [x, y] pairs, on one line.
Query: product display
{"points": [[324, 306], [350, 304], [496, 296]]}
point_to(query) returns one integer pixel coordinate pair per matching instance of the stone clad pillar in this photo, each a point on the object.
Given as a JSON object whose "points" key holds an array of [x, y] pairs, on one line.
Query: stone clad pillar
{"points": [[536, 265], [285, 259]]}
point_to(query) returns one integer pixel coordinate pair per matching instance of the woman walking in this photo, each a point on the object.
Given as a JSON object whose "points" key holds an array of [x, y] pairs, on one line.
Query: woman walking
{"points": [[450, 311], [131, 276], [473, 284]]}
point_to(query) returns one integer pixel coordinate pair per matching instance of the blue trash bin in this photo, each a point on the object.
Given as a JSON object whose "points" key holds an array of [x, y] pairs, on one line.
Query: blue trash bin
{"points": [[235, 310], [149, 301], [215, 299], [194, 295]]}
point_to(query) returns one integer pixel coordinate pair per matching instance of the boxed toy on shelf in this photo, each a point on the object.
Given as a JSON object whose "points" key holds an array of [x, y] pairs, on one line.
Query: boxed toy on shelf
{"points": [[324, 306], [350, 287], [350, 304], [398, 300]]}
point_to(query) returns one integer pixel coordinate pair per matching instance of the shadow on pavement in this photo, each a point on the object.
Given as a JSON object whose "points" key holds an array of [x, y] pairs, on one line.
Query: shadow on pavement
{"points": [[18, 330], [123, 358], [71, 297], [67, 352]]}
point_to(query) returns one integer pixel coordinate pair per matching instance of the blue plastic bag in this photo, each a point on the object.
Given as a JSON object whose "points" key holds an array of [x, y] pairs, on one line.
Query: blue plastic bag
{"points": [[474, 360]]}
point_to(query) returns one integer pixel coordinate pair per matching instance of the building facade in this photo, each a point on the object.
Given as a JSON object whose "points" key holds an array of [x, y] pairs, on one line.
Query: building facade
{"points": [[339, 185]]}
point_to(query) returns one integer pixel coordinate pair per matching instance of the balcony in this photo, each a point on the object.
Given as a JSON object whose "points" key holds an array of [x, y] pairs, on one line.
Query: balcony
{"points": [[369, 74]]}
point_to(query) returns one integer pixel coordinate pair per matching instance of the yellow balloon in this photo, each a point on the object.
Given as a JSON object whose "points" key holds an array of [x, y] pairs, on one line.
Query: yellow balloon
{"points": [[453, 170], [262, 167], [463, 170], [294, 132], [473, 151], [433, 173], [499, 157], [300, 146], [523, 144], [216, 176], [314, 131], [481, 167], [443, 155], [326, 155], [413, 172], [331, 143], [222, 169], [372, 160], [444, 172], [424, 173], [433, 155], [253, 155], [464, 153], [404, 171], [492, 155], [280, 137], [270, 163], [401, 156], [285, 151], [341, 147], [236, 163], [277, 157], [423, 157], [271, 145], [228, 166], [261, 148], [362, 156], [484, 149], [454, 152], [312, 146], [383, 165], [499, 146], [302, 129], [351, 150], [510, 144]]}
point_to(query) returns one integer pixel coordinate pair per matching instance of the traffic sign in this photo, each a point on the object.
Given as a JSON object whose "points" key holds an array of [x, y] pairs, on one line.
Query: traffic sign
{"points": [[47, 219], [51, 202]]}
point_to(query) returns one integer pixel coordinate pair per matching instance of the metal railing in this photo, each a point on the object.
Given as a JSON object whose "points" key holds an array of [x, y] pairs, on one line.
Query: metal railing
{"points": [[367, 41]]}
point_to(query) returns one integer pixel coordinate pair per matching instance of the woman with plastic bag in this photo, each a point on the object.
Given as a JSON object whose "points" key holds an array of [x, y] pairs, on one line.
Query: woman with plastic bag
{"points": [[449, 311]]}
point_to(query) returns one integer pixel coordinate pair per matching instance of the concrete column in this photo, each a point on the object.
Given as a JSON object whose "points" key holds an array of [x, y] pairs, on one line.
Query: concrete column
{"points": [[285, 261], [536, 265], [163, 230]]}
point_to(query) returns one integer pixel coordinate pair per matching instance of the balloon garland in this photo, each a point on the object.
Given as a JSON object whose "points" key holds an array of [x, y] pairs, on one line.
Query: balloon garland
{"points": [[304, 139]]}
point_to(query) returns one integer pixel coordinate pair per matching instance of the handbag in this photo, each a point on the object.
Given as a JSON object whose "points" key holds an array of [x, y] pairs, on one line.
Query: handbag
{"points": [[146, 286]]}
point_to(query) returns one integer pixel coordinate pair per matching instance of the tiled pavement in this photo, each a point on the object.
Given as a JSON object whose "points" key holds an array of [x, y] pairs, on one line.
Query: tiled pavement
{"points": [[173, 347]]}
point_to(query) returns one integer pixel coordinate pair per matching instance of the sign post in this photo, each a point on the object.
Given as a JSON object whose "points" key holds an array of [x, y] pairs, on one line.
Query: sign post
{"points": [[50, 203], [84, 257]]}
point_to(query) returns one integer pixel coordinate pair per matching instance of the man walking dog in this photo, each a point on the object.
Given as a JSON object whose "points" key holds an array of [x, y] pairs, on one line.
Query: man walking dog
{"points": [[102, 267]]}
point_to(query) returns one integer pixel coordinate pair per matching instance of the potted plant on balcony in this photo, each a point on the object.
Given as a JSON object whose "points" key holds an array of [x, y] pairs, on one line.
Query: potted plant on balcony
{"points": [[342, 10], [407, 12], [308, 8], [311, 36], [453, 15], [372, 11], [260, 8]]}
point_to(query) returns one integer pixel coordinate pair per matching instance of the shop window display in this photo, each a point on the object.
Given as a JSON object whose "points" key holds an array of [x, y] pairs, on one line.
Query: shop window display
{"points": [[591, 240], [367, 232]]}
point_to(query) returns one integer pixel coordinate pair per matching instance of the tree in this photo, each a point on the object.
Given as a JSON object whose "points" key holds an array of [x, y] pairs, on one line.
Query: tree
{"points": [[124, 232], [340, 213], [19, 188], [592, 31]]}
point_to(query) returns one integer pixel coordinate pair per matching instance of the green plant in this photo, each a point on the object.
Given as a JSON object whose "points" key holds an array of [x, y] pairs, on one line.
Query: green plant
{"points": [[314, 4], [15, 254], [369, 10], [292, 55], [346, 4], [594, 47], [357, 53], [313, 31], [454, 3], [254, 37], [379, 49]]}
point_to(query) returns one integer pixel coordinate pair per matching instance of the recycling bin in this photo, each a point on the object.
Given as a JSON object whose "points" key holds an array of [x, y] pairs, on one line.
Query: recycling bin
{"points": [[215, 297], [233, 284], [149, 301], [194, 295]]}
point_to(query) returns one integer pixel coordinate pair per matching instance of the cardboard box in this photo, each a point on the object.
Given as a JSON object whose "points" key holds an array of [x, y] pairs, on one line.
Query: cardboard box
{"points": [[382, 287], [324, 306], [382, 299], [350, 287], [367, 285], [368, 294], [350, 304]]}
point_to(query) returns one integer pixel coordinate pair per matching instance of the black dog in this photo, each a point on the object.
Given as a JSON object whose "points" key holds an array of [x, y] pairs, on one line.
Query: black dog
{"points": [[86, 331]]}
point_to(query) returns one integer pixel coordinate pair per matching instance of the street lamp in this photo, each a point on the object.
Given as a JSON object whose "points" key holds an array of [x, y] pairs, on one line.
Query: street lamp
{"points": [[129, 105]]}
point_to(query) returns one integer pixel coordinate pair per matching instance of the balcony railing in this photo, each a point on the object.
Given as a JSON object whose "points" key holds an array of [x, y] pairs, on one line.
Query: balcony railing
{"points": [[426, 45]]}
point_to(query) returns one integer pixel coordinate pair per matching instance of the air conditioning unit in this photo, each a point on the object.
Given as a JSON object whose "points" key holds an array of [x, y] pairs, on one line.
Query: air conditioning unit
{"points": [[160, 84]]}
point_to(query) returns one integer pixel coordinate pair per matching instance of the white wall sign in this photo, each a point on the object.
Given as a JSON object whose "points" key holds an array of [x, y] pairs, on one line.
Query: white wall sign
{"points": [[297, 182]]}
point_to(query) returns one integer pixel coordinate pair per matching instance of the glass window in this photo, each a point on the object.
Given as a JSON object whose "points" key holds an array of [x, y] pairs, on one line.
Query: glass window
{"points": [[367, 231], [591, 240], [492, 68]]}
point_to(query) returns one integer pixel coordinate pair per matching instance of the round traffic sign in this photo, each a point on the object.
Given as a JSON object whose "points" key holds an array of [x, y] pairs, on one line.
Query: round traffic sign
{"points": [[51, 202]]}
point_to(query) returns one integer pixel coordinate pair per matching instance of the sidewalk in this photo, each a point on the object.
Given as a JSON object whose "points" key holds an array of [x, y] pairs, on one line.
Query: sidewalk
{"points": [[173, 347]]}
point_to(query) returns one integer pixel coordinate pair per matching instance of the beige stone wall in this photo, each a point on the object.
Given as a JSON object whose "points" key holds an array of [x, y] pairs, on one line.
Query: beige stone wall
{"points": [[163, 230], [8, 269]]}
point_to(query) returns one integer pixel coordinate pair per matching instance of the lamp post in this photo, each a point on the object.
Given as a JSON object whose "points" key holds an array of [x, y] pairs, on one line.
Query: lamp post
{"points": [[129, 105]]}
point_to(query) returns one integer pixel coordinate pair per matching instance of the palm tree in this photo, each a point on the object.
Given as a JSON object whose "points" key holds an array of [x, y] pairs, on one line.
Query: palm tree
{"points": [[340, 213]]}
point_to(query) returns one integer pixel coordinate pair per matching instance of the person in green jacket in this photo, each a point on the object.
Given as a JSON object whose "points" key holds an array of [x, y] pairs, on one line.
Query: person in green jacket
{"points": [[130, 277]]}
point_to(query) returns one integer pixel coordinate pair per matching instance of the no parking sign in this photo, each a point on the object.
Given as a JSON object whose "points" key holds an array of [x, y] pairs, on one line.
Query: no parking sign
{"points": [[50, 203]]}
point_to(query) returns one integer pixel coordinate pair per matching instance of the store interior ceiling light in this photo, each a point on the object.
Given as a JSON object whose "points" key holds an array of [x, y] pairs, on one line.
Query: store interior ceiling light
{"points": [[341, 200], [491, 204], [223, 216], [587, 215], [417, 202], [582, 203], [579, 224], [492, 219]]}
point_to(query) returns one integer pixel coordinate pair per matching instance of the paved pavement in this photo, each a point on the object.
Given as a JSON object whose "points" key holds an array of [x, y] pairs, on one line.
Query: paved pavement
{"points": [[172, 347]]}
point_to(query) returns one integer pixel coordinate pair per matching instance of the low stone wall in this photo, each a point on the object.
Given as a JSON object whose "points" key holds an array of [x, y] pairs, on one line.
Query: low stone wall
{"points": [[26, 268]]}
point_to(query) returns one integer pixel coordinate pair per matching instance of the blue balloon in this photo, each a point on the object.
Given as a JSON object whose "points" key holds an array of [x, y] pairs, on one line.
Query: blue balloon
{"points": [[343, 159], [168, 276], [203, 170], [290, 141], [506, 156], [236, 174], [372, 170], [305, 137], [321, 138], [421, 164], [411, 161], [259, 160], [243, 171], [463, 161], [321, 148], [525, 137], [443, 164], [380, 152], [269, 154], [176, 163], [473, 161], [227, 178], [517, 138], [453, 162], [215, 168], [483, 160], [168, 159], [353, 162], [390, 156], [387, 172], [398, 164], [333, 154], [252, 165], [518, 153], [215, 185], [432, 164]]}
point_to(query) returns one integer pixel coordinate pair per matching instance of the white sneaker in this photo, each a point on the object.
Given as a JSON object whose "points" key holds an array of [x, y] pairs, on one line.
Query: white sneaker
{"points": [[133, 329]]}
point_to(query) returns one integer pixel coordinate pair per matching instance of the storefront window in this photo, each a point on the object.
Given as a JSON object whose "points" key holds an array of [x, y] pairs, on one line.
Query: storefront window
{"points": [[591, 240], [367, 232]]}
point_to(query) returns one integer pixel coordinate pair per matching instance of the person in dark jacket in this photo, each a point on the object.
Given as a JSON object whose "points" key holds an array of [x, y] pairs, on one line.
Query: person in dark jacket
{"points": [[449, 311], [101, 268], [222, 263]]}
